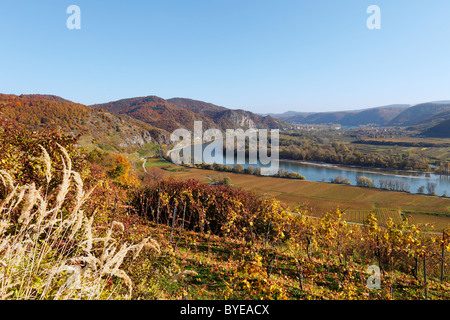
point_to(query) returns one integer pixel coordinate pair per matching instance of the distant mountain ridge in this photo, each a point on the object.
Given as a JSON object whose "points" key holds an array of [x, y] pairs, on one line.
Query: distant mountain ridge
{"points": [[136, 121], [419, 117], [432, 119], [377, 116], [419, 113]]}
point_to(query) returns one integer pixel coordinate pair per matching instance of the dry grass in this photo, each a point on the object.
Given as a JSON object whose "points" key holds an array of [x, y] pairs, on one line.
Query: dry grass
{"points": [[49, 248]]}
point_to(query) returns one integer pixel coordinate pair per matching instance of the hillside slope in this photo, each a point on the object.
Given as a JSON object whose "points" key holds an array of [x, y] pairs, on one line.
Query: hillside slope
{"points": [[419, 113], [96, 127], [155, 111], [226, 118], [377, 116], [442, 130], [181, 113]]}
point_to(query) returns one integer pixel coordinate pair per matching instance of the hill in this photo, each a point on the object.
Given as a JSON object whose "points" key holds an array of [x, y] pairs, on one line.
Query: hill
{"points": [[155, 111], [442, 130], [195, 105], [419, 113], [96, 127], [127, 123], [226, 118], [181, 113], [430, 122], [377, 116]]}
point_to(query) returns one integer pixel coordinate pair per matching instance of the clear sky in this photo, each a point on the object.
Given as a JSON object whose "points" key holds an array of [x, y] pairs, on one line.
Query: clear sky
{"points": [[259, 55]]}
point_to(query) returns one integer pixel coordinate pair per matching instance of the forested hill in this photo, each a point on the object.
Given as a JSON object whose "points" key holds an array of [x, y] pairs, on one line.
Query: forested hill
{"points": [[128, 122], [225, 118], [442, 130], [98, 127], [377, 116], [420, 117], [179, 112], [419, 113], [155, 111]]}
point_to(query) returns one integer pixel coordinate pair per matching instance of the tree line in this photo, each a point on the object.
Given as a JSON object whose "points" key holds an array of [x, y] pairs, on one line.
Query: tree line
{"points": [[239, 168], [340, 153]]}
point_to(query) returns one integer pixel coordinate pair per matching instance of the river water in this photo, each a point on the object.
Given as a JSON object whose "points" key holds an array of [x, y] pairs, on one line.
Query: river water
{"points": [[325, 172]]}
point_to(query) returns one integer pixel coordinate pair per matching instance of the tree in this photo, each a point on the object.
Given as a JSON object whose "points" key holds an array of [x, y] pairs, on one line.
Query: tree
{"points": [[238, 168], [227, 181], [121, 172], [365, 182], [249, 170], [431, 188]]}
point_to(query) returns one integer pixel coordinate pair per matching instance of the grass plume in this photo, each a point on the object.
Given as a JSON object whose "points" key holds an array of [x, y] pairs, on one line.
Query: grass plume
{"points": [[49, 248]]}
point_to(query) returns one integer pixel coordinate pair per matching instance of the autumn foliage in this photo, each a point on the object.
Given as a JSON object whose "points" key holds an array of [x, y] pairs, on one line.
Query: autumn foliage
{"points": [[325, 257]]}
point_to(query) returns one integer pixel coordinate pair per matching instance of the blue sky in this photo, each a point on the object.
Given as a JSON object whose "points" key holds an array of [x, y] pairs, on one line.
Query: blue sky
{"points": [[259, 55]]}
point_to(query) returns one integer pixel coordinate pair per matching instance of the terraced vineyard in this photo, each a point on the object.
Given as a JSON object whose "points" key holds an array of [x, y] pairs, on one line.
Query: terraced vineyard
{"points": [[382, 215]]}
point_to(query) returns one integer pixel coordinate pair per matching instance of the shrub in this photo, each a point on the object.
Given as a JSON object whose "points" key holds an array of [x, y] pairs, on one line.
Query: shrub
{"points": [[227, 181], [249, 170], [220, 209], [340, 180], [365, 182], [238, 168]]}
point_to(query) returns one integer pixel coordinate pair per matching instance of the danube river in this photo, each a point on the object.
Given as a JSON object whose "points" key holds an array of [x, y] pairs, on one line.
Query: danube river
{"points": [[326, 172]]}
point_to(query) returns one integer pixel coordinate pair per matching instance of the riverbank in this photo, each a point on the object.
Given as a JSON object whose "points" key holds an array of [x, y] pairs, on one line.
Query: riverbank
{"points": [[358, 168], [322, 196], [402, 181]]}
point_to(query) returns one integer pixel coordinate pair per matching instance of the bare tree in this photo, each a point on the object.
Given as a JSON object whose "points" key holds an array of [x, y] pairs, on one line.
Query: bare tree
{"points": [[431, 187]]}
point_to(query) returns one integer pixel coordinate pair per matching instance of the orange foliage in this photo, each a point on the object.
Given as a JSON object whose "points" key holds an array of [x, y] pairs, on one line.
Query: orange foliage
{"points": [[122, 171]]}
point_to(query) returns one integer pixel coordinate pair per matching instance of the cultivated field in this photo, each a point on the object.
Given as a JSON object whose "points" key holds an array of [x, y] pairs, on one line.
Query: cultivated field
{"points": [[319, 197]]}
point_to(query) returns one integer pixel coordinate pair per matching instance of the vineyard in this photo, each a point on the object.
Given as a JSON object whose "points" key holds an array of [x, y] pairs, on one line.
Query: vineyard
{"points": [[382, 216], [83, 226], [271, 253]]}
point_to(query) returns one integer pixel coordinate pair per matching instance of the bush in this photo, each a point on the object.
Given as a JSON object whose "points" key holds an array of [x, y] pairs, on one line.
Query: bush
{"points": [[21, 154], [219, 209], [227, 181], [218, 167], [365, 182], [340, 180], [296, 175], [238, 168], [249, 170]]}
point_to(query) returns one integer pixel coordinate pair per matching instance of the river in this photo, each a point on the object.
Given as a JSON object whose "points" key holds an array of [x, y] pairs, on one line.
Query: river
{"points": [[326, 172]]}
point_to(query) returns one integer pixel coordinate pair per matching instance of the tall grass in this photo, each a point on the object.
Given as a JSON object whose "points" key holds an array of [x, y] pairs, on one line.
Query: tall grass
{"points": [[49, 247]]}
